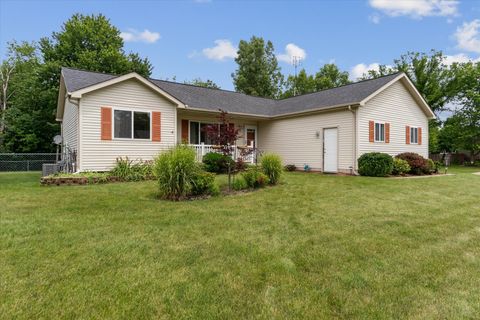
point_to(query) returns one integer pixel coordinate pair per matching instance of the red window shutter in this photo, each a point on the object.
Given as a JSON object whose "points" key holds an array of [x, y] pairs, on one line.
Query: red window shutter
{"points": [[387, 132], [184, 131], [156, 126], [106, 123], [407, 134], [371, 131], [419, 135]]}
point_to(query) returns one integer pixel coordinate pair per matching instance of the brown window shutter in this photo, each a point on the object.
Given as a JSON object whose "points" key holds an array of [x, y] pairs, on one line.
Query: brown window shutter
{"points": [[184, 131], [419, 135], [371, 131], [387, 132], [106, 123], [156, 126], [407, 134]]}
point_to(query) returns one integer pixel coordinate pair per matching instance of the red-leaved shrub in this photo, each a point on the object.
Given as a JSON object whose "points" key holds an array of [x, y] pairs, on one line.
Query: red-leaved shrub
{"points": [[418, 164]]}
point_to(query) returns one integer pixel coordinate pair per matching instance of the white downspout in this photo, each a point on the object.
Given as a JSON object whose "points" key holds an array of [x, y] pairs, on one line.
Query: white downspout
{"points": [[354, 162]]}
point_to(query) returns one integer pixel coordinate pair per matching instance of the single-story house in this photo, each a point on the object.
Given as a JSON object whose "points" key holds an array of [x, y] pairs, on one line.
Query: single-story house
{"points": [[106, 116]]}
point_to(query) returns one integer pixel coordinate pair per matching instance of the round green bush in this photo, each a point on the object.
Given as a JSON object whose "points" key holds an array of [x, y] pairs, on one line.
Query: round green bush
{"points": [[272, 166], [239, 184], [375, 164], [400, 166], [418, 164], [431, 167], [203, 183], [255, 178], [217, 162]]}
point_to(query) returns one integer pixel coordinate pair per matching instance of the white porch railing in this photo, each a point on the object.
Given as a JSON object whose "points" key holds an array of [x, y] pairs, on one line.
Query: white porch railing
{"points": [[202, 149]]}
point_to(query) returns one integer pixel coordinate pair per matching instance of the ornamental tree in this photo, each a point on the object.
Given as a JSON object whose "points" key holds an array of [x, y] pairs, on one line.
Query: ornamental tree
{"points": [[224, 135]]}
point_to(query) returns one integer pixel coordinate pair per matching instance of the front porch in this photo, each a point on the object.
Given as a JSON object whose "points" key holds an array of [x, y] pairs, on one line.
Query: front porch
{"points": [[191, 131], [247, 153]]}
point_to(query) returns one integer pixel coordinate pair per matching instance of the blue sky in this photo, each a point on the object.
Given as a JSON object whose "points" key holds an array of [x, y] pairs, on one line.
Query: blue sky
{"points": [[191, 39]]}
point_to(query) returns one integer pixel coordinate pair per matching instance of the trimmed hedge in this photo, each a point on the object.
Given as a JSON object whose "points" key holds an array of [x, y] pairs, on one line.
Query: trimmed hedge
{"points": [[375, 164], [418, 164], [217, 162], [400, 166], [255, 178]]}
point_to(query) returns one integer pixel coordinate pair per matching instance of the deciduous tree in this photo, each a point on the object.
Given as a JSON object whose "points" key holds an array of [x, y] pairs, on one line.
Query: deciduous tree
{"points": [[258, 73]]}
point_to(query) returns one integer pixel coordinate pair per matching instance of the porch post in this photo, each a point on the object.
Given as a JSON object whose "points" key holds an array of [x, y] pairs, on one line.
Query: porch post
{"points": [[202, 145]]}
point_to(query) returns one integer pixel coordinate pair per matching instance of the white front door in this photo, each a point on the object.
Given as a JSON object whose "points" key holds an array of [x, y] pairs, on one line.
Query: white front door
{"points": [[330, 150]]}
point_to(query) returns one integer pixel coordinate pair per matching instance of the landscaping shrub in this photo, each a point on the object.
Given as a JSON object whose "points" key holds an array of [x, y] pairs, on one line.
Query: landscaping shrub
{"points": [[122, 169], [272, 167], [255, 178], [143, 170], [127, 170], [430, 167], [175, 170], [203, 183], [290, 167], [240, 165], [217, 162], [239, 184], [418, 164], [400, 166], [375, 164]]}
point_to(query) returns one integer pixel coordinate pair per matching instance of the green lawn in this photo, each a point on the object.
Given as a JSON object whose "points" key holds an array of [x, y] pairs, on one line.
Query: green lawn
{"points": [[317, 246]]}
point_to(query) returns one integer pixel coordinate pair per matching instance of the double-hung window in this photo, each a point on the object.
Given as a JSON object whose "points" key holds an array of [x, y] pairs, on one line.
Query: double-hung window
{"points": [[131, 124], [413, 135], [379, 132]]}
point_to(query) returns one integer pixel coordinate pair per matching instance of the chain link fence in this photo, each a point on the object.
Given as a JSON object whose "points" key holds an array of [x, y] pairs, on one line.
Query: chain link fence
{"points": [[25, 161]]}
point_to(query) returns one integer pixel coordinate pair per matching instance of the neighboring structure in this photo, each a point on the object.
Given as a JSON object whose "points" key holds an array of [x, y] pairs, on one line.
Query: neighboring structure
{"points": [[106, 116]]}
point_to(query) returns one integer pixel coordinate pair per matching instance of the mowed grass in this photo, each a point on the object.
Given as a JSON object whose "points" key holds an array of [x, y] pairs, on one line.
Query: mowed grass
{"points": [[315, 247]]}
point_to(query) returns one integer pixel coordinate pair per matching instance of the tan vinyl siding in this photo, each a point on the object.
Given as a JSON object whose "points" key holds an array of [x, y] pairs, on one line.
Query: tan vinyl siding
{"points": [[70, 125], [296, 141], [396, 106], [99, 155]]}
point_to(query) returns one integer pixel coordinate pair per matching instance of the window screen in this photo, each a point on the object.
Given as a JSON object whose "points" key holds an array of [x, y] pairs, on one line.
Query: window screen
{"points": [[141, 125], [123, 124]]}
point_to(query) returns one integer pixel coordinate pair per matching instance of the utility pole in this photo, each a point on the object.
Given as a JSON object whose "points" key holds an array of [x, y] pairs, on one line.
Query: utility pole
{"points": [[296, 62]]}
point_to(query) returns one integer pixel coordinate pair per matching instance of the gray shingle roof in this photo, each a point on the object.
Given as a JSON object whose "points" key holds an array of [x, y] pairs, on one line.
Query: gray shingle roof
{"points": [[234, 102]]}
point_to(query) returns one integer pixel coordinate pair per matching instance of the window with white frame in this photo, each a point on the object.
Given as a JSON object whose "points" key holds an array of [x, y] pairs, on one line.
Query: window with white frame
{"points": [[413, 135], [131, 124], [198, 132], [379, 132]]}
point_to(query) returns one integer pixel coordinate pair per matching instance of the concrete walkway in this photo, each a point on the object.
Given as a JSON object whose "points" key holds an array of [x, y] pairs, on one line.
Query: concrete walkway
{"points": [[477, 173]]}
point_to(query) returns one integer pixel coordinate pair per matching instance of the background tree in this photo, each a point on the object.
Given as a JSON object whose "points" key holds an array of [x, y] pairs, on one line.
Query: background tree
{"points": [[85, 42], [258, 73], [206, 84], [329, 76], [462, 130], [302, 84], [21, 58]]}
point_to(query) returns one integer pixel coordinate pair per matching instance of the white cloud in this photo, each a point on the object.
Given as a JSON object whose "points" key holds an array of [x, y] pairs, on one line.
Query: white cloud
{"points": [[416, 8], [146, 36], [460, 58], [292, 50], [202, 1], [222, 50], [468, 36], [362, 68], [374, 18]]}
